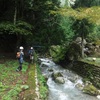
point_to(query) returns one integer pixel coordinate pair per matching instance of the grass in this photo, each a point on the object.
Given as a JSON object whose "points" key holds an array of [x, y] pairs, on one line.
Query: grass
{"points": [[90, 60], [12, 82]]}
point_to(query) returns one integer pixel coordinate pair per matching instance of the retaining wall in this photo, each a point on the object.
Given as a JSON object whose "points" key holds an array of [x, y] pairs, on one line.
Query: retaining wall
{"points": [[88, 71]]}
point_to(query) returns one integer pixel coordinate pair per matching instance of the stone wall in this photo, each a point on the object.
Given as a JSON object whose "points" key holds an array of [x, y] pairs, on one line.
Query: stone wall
{"points": [[88, 71]]}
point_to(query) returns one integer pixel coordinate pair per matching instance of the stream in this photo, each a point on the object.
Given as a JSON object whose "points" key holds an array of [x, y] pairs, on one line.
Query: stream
{"points": [[66, 91]]}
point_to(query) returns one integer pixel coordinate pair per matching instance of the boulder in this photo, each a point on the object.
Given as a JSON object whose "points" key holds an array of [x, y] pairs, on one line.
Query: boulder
{"points": [[58, 77], [79, 86], [57, 74], [60, 80], [73, 79]]}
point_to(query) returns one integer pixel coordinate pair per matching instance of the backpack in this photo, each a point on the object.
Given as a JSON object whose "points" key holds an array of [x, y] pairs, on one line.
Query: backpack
{"points": [[18, 55]]}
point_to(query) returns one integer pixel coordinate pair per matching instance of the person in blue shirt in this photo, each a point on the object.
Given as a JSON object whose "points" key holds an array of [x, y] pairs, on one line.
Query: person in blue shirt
{"points": [[20, 59], [31, 54]]}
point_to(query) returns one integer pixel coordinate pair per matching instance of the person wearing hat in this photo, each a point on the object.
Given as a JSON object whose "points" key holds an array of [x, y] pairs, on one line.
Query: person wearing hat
{"points": [[20, 58], [31, 53]]}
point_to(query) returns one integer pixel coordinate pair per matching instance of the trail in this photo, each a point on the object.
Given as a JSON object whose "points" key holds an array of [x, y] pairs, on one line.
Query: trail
{"points": [[31, 93]]}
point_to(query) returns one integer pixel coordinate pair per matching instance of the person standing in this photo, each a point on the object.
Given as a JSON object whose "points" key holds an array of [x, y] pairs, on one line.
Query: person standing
{"points": [[31, 54], [20, 56]]}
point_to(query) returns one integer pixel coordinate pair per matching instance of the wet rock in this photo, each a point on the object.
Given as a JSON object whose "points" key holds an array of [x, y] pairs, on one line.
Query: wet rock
{"points": [[73, 79], [60, 80], [57, 74], [50, 70], [79, 86], [58, 77]]}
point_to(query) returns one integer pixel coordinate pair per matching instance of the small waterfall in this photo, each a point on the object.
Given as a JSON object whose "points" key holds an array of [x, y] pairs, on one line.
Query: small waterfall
{"points": [[67, 91]]}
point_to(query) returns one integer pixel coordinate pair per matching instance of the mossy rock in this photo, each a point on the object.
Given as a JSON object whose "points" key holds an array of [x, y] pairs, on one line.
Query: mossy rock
{"points": [[90, 89], [57, 52]]}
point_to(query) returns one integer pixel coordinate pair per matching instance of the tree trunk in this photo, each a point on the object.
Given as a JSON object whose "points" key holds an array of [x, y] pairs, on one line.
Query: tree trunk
{"points": [[22, 7], [15, 13]]}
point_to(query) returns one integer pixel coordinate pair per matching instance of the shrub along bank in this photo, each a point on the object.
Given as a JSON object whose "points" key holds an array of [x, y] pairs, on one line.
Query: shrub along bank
{"points": [[43, 89]]}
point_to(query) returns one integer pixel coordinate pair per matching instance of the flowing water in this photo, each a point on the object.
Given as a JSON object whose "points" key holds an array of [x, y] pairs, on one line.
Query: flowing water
{"points": [[66, 91]]}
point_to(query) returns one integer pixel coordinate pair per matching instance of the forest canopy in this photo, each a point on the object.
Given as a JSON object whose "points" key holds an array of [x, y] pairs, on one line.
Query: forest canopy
{"points": [[48, 23]]}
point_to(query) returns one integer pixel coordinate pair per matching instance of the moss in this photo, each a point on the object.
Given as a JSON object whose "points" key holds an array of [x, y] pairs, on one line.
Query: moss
{"points": [[90, 89], [90, 61], [31, 76], [30, 93]]}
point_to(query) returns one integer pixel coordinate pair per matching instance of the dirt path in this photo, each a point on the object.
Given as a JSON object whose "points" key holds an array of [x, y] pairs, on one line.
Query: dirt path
{"points": [[30, 93]]}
